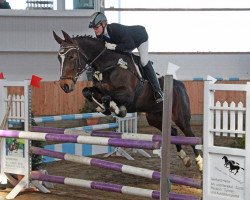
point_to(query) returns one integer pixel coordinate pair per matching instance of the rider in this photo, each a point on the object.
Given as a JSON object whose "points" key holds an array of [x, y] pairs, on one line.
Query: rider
{"points": [[125, 39]]}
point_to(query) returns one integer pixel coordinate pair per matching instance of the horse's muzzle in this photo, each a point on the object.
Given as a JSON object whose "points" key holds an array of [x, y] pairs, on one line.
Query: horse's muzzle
{"points": [[67, 85]]}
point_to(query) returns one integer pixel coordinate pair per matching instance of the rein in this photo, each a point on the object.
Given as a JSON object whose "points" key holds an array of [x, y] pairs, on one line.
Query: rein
{"points": [[90, 64]]}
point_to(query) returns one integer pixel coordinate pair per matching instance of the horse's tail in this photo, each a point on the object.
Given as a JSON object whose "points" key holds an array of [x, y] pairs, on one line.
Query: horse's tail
{"points": [[180, 93]]}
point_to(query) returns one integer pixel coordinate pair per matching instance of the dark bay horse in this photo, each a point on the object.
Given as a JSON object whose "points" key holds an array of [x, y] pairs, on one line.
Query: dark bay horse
{"points": [[118, 86]]}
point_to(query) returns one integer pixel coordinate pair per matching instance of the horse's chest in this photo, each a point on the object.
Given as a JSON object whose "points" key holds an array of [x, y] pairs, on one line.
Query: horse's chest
{"points": [[110, 81], [104, 86]]}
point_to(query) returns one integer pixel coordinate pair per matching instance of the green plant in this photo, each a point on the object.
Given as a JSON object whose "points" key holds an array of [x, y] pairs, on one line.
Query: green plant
{"points": [[37, 160], [88, 107], [239, 143]]}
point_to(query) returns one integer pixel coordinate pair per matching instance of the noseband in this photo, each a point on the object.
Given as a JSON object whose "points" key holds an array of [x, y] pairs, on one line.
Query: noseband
{"points": [[79, 68]]}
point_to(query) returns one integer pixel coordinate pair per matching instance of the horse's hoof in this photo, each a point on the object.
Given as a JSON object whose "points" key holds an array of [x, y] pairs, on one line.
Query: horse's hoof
{"points": [[187, 161], [122, 111], [87, 94], [106, 100], [199, 162]]}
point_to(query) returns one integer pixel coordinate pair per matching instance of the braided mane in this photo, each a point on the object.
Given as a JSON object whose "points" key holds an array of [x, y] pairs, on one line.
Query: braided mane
{"points": [[89, 37]]}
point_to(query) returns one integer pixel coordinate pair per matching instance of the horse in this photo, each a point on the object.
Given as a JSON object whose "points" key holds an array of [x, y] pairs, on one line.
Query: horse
{"points": [[118, 86], [232, 165], [13, 146]]}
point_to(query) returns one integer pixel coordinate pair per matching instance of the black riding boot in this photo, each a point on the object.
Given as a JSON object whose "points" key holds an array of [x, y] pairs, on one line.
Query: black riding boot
{"points": [[150, 74]]}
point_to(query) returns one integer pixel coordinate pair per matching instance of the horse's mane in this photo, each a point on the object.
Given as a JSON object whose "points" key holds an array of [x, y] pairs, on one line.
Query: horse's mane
{"points": [[80, 38], [89, 37]]}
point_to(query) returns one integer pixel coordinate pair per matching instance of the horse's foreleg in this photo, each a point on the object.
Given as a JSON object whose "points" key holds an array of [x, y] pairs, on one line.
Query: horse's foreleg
{"points": [[92, 95], [87, 93], [100, 107], [111, 105], [120, 111], [106, 103]]}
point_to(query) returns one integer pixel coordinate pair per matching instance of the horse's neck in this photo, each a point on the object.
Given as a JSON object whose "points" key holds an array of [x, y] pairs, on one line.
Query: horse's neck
{"points": [[93, 49], [107, 59], [90, 47]]}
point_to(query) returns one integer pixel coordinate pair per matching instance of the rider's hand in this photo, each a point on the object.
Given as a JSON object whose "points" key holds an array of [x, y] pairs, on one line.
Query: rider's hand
{"points": [[110, 46]]}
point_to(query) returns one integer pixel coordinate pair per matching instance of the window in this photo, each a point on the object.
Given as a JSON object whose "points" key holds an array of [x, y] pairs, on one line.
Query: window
{"points": [[174, 30], [50, 4]]}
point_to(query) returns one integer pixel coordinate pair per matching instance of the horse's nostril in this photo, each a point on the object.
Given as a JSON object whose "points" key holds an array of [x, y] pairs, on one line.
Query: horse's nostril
{"points": [[66, 88]]}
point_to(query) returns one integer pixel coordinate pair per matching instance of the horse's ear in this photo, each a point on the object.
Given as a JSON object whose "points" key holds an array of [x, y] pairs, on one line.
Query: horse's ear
{"points": [[57, 38], [67, 37]]}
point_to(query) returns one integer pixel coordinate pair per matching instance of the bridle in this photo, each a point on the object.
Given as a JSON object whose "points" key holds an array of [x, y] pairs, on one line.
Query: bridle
{"points": [[79, 68]]}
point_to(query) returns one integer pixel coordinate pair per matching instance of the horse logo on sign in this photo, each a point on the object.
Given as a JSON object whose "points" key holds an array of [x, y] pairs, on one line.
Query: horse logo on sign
{"points": [[233, 166]]}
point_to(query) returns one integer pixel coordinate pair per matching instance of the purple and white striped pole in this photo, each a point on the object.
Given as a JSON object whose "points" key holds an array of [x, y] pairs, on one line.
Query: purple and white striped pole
{"points": [[116, 167], [131, 136], [108, 187], [116, 142]]}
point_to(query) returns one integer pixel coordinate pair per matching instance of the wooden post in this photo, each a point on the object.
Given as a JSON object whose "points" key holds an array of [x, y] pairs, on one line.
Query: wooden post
{"points": [[166, 137], [61, 5]]}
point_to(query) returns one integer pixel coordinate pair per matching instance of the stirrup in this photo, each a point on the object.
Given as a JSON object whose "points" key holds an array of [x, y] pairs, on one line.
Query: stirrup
{"points": [[159, 100], [158, 97]]}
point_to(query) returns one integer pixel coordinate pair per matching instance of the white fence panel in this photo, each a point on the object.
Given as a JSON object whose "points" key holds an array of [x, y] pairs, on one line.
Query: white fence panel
{"points": [[226, 170]]}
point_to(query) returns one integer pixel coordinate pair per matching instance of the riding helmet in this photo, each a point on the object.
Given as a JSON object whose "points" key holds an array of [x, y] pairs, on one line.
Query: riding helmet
{"points": [[96, 19]]}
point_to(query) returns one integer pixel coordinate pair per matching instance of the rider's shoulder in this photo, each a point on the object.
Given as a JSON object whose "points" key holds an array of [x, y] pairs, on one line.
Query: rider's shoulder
{"points": [[115, 25]]}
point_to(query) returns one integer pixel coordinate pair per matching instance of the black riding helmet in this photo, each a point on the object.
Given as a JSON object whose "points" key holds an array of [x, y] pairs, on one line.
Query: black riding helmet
{"points": [[96, 19]]}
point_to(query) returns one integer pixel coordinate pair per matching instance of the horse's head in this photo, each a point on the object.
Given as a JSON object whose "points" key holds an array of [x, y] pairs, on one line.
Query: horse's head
{"points": [[71, 63]]}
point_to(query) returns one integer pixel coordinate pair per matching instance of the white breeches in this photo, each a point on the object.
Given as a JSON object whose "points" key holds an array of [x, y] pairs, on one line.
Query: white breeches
{"points": [[143, 53]]}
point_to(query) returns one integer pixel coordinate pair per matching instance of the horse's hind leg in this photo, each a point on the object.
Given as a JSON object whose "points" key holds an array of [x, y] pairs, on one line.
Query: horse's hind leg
{"points": [[155, 120], [181, 153], [185, 127], [181, 115]]}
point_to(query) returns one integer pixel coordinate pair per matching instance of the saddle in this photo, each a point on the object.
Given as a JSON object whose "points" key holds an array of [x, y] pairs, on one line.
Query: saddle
{"points": [[137, 61]]}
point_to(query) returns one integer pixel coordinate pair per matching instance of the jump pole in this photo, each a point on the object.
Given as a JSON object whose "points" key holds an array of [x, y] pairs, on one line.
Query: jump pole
{"points": [[116, 167], [111, 134], [72, 117], [107, 187], [50, 137]]}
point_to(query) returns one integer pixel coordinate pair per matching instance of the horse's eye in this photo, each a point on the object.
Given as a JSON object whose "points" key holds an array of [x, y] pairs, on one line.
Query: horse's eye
{"points": [[70, 57]]}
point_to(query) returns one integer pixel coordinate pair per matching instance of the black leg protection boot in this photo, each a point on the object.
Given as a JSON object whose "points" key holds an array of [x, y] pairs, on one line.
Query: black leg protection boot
{"points": [[150, 74]]}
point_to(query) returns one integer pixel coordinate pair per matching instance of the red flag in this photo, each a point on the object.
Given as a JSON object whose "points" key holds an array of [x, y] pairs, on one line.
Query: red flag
{"points": [[35, 81], [1, 75]]}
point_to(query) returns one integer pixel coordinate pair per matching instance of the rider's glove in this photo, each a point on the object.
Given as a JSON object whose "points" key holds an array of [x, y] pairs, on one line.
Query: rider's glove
{"points": [[110, 46]]}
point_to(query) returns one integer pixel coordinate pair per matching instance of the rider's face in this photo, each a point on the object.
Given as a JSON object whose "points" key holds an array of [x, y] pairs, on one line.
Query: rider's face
{"points": [[98, 30]]}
